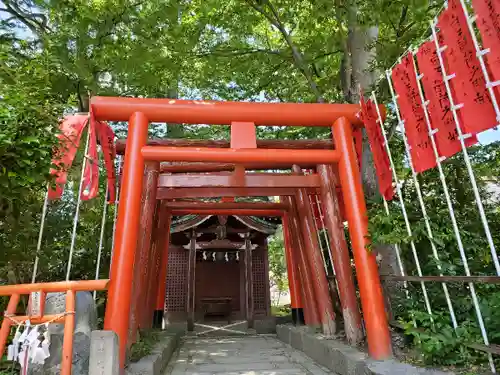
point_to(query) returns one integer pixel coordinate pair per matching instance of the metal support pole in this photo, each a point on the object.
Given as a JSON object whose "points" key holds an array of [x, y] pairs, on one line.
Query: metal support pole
{"points": [[420, 199], [40, 235], [101, 238], [480, 53], [341, 257], [443, 182], [127, 231], [454, 109], [77, 210], [370, 288]]}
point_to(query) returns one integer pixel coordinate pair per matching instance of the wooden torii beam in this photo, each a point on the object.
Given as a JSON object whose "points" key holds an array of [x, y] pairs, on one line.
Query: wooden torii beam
{"points": [[215, 192], [231, 181], [317, 144]]}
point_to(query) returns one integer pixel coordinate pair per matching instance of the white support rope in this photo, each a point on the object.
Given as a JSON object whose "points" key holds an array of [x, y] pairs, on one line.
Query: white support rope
{"points": [[101, 237], [480, 55], [462, 137], [475, 301], [40, 235], [77, 211], [401, 200]]}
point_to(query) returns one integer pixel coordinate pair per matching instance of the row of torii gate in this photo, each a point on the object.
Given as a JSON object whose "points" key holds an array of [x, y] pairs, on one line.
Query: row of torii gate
{"points": [[203, 169]]}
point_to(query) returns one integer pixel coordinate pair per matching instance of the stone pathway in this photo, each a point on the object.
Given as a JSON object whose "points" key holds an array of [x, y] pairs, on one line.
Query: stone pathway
{"points": [[248, 355]]}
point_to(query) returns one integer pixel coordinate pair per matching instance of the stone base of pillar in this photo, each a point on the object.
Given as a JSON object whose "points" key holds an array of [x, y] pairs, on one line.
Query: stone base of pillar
{"points": [[298, 316], [158, 319]]}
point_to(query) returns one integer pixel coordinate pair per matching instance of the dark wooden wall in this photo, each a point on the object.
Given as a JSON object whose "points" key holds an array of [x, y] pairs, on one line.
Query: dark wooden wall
{"points": [[215, 279]]}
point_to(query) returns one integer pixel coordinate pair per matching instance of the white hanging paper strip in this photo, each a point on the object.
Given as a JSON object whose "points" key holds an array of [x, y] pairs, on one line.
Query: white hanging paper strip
{"points": [[10, 353]]}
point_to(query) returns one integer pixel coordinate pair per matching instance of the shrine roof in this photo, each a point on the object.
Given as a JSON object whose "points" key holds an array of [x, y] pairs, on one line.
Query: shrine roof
{"points": [[265, 225]]}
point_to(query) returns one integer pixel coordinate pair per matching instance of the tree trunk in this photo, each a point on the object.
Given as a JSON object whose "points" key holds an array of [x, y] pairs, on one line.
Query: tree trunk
{"points": [[357, 74]]}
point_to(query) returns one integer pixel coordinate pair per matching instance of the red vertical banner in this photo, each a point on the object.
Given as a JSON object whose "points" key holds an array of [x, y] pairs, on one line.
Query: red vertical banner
{"points": [[107, 140], [412, 113], [468, 85], [377, 145], [71, 129], [488, 23], [439, 109], [90, 186]]}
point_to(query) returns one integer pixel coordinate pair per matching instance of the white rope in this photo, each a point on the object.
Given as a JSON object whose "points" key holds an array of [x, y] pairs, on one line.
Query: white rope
{"points": [[40, 235], [77, 211], [27, 323], [101, 237]]}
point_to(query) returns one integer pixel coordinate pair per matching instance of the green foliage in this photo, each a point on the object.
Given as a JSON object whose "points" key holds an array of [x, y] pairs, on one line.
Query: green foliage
{"points": [[143, 346], [434, 336], [28, 122], [437, 342], [277, 262], [281, 310]]}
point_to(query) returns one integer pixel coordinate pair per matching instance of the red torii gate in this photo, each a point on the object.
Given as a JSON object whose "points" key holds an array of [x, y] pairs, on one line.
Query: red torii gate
{"points": [[307, 278]]}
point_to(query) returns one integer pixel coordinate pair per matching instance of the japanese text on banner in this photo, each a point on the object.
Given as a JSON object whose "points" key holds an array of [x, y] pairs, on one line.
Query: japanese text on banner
{"points": [[412, 113], [439, 108], [468, 85]]}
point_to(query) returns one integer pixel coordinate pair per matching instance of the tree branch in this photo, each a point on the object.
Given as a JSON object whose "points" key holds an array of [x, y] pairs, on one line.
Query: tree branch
{"points": [[231, 53], [323, 55], [36, 22], [298, 57]]}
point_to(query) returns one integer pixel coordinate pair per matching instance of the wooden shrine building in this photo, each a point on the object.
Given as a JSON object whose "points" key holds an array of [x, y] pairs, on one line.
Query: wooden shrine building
{"points": [[218, 268]]}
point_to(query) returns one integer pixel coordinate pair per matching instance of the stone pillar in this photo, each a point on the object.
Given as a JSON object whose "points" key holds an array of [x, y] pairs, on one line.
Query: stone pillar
{"points": [[104, 353]]}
